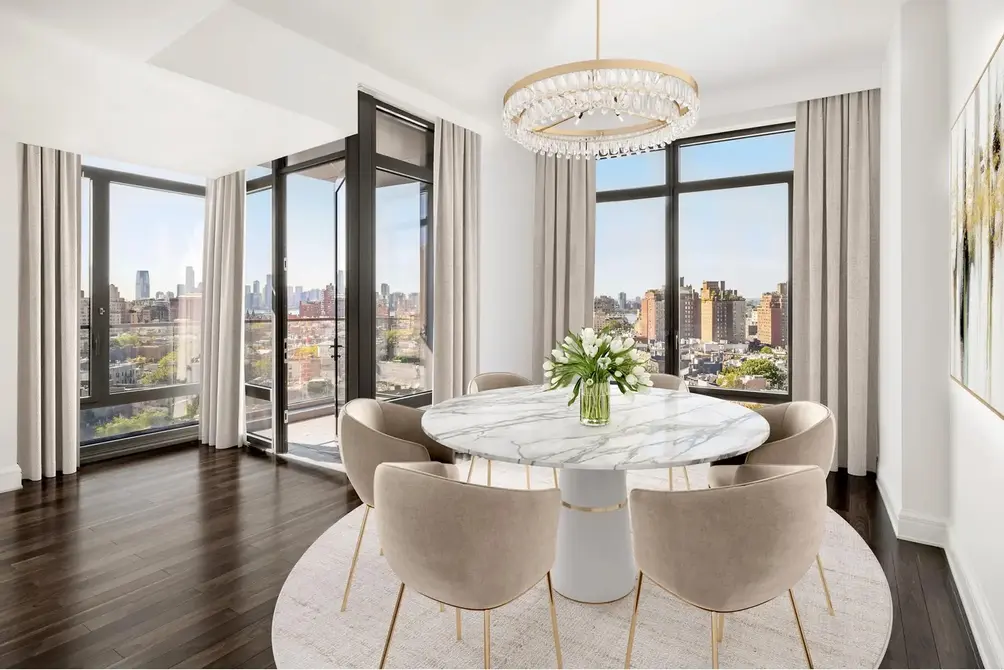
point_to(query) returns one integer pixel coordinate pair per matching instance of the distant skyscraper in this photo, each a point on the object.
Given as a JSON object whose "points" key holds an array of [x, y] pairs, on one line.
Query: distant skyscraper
{"points": [[384, 290], [622, 300], [142, 284], [772, 317], [297, 296], [690, 311], [723, 313], [341, 282], [181, 290], [652, 316], [189, 279]]}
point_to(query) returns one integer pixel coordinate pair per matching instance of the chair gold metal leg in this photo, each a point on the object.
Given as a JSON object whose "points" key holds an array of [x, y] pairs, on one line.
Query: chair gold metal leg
{"points": [[554, 620], [634, 620], [714, 640], [390, 631], [489, 473], [554, 471], [721, 628], [826, 587], [458, 623], [470, 470], [671, 479], [381, 551], [801, 633], [442, 607], [686, 476], [488, 638], [355, 557], [527, 477]]}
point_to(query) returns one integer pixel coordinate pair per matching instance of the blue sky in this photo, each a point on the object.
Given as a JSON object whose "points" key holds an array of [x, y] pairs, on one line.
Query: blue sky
{"points": [[162, 233], [738, 235]]}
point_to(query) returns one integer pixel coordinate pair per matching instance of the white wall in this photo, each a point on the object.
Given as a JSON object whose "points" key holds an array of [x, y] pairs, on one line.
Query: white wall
{"points": [[914, 294], [506, 295], [976, 447], [10, 473], [890, 462], [77, 97]]}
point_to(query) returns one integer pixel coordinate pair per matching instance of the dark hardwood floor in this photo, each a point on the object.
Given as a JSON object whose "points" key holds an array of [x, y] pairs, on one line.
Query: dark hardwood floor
{"points": [[177, 558], [929, 627]]}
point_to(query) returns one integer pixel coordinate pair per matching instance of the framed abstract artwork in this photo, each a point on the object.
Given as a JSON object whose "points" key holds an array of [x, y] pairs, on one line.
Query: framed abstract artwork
{"points": [[977, 246]]}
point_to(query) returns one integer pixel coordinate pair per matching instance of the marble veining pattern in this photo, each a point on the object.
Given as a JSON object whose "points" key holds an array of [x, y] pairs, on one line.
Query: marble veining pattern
{"points": [[658, 429]]}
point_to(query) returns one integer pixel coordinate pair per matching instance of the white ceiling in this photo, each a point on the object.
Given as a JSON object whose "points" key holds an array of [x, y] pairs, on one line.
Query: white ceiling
{"points": [[191, 73], [468, 52]]}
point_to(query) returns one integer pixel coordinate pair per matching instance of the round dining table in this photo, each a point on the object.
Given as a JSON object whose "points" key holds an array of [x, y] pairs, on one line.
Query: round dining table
{"points": [[594, 561]]}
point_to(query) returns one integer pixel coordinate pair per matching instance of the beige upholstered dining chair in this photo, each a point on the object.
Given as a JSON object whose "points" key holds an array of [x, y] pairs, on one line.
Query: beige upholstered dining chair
{"points": [[372, 432], [489, 381], [746, 543], [801, 433], [673, 383], [470, 546]]}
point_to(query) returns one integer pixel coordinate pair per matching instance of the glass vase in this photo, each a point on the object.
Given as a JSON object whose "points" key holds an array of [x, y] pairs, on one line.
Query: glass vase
{"points": [[594, 404]]}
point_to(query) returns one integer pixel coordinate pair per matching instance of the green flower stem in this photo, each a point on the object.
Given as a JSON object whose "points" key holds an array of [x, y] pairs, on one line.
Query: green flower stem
{"points": [[594, 404]]}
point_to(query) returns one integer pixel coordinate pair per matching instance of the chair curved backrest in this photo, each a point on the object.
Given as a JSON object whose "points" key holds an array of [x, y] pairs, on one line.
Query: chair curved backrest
{"points": [[671, 382], [801, 433], [489, 381], [746, 543], [373, 432], [465, 545]]}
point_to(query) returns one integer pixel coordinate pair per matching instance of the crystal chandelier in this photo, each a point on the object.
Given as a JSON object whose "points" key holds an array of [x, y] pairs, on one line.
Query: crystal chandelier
{"points": [[601, 107]]}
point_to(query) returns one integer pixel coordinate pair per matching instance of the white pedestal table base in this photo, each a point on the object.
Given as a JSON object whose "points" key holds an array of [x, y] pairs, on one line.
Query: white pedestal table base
{"points": [[595, 560]]}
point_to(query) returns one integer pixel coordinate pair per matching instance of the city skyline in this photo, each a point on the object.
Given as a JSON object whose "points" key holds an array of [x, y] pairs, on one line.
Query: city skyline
{"points": [[162, 232]]}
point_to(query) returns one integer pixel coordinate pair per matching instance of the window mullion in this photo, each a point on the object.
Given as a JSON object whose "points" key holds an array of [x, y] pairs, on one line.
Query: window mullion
{"points": [[100, 309], [672, 294]]}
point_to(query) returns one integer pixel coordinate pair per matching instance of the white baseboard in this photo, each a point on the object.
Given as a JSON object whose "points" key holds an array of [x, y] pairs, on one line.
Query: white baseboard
{"points": [[10, 478], [910, 525], [917, 527], [890, 505], [981, 618]]}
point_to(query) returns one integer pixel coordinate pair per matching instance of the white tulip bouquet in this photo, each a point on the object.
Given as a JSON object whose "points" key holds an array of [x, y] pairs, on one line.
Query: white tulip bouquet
{"points": [[589, 362]]}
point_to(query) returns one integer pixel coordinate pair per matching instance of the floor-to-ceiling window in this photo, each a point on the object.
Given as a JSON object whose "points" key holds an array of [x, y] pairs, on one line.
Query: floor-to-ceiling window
{"points": [[140, 304], [338, 265], [259, 342], [693, 258]]}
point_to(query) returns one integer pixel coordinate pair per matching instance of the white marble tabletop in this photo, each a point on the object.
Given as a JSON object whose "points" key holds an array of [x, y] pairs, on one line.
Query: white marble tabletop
{"points": [[658, 429]]}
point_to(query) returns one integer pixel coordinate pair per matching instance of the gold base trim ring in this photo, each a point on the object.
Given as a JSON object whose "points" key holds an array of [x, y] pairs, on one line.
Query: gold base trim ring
{"points": [[582, 508], [585, 602]]}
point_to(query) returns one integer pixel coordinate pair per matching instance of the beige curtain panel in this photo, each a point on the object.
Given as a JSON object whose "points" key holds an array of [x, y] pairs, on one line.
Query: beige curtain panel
{"points": [[457, 220], [220, 417], [48, 313], [834, 289], [564, 251]]}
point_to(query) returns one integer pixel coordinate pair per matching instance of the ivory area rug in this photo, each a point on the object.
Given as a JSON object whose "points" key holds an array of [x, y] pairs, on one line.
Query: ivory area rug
{"points": [[309, 631]]}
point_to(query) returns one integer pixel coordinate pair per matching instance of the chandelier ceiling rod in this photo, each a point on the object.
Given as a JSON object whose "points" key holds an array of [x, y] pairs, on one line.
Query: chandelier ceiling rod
{"points": [[597, 29]]}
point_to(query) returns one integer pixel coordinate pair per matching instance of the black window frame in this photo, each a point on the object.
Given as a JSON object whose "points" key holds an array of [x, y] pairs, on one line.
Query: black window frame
{"points": [[362, 162], [671, 190], [99, 391]]}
